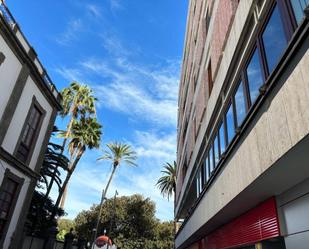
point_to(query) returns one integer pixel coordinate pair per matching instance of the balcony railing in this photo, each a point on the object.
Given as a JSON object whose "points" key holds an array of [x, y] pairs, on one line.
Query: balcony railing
{"points": [[9, 19], [7, 14]]}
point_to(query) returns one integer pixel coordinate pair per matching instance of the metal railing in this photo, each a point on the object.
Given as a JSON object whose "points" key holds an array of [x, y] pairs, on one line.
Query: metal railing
{"points": [[8, 17], [5, 12]]}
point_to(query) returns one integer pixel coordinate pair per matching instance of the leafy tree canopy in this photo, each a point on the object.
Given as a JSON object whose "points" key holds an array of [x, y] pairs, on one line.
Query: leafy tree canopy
{"points": [[64, 226], [129, 221]]}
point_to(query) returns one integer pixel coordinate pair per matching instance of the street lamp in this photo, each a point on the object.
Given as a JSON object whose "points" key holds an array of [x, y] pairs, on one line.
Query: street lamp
{"points": [[100, 213]]}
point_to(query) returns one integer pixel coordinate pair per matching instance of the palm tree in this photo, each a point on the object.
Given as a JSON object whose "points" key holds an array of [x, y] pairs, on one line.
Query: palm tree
{"points": [[85, 134], [167, 183], [77, 100], [118, 152], [53, 160]]}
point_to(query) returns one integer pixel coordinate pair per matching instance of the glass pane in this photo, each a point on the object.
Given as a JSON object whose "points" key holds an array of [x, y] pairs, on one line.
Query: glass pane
{"points": [[216, 150], [222, 138], [211, 160], [230, 124], [25, 133], [274, 39], [197, 186], [200, 180], [254, 74], [240, 104], [298, 7], [206, 170]]}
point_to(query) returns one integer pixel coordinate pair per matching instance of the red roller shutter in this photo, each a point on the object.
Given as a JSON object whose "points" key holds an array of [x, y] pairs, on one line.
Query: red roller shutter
{"points": [[257, 224]]}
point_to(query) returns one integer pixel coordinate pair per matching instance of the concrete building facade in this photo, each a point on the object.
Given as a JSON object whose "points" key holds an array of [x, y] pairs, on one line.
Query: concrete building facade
{"points": [[243, 126], [29, 103]]}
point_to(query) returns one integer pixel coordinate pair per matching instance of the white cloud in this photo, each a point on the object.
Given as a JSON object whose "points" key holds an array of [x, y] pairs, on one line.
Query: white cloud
{"points": [[162, 148], [142, 93], [71, 74], [71, 32], [94, 10], [114, 46], [115, 5]]}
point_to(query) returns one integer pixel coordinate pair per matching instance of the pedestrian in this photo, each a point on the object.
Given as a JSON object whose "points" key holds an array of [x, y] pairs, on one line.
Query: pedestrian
{"points": [[68, 240]]}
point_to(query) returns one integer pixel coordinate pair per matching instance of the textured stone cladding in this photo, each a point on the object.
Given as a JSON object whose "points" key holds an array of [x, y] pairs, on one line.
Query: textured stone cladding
{"points": [[223, 19]]}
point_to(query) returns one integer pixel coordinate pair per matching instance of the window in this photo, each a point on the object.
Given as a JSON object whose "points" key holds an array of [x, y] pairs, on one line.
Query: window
{"points": [[29, 132], [206, 168], [7, 195], [240, 104], [211, 160], [274, 39], [222, 139], [254, 75], [298, 7], [230, 127], [210, 82], [199, 183], [216, 150]]}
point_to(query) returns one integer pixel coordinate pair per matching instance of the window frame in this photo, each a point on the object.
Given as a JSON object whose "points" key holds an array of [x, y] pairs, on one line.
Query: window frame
{"points": [[8, 175], [246, 96], [206, 167], [34, 104], [287, 28]]}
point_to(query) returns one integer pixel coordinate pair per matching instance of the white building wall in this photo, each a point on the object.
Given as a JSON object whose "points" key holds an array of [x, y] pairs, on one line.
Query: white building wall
{"points": [[16, 125], [9, 71]]}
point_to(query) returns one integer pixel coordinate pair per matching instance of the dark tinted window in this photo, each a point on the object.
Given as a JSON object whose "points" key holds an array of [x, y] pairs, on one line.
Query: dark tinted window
{"points": [[7, 194], [274, 39], [230, 130], [240, 104], [254, 74], [28, 133]]}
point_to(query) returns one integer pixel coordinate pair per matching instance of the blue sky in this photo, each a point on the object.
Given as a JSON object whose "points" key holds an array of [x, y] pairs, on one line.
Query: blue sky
{"points": [[129, 52]]}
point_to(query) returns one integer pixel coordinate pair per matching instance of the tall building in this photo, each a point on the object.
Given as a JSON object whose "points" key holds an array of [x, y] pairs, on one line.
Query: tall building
{"points": [[243, 125], [29, 103]]}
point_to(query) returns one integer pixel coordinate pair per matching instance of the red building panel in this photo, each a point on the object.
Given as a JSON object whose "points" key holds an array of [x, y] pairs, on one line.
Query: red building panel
{"points": [[257, 224]]}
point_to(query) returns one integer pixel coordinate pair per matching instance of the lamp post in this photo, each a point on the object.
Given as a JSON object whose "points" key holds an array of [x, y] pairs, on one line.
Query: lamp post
{"points": [[98, 220]]}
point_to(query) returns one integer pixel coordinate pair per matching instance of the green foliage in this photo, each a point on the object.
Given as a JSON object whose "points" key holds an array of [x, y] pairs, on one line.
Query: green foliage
{"points": [[39, 214], [119, 152], [64, 226], [167, 183], [53, 160], [129, 221]]}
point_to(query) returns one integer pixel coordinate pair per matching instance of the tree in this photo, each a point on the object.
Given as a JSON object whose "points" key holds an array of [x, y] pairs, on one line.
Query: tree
{"points": [[39, 217], [64, 226], [85, 134], [53, 160], [118, 152], [77, 100], [167, 183], [134, 225]]}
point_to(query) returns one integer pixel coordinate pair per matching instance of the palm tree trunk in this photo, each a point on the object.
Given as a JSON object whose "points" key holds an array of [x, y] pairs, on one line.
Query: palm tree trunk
{"points": [[64, 196], [50, 185], [67, 134], [65, 183], [102, 200]]}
